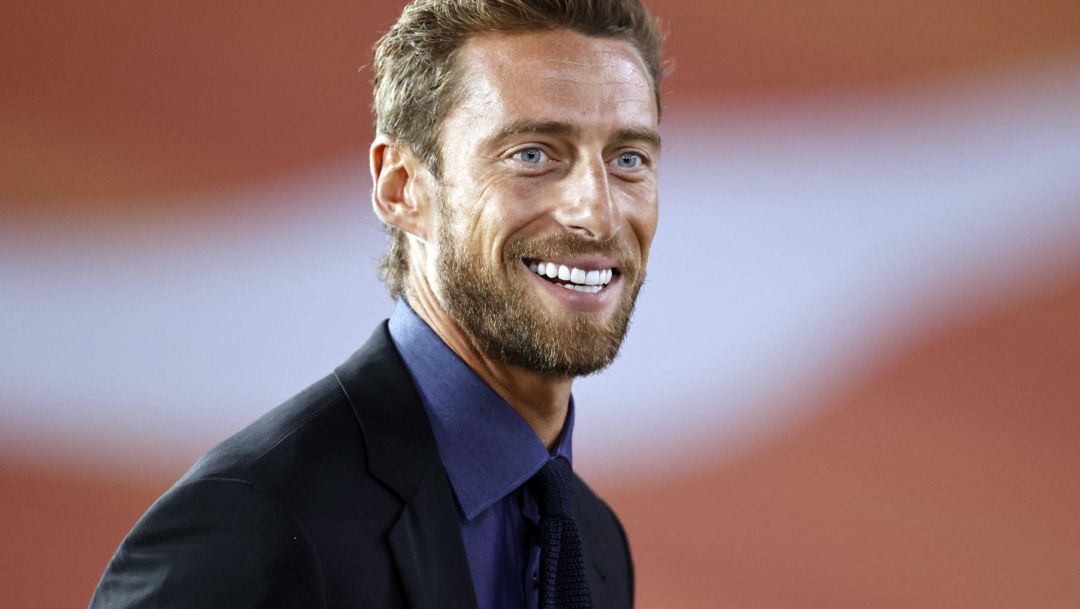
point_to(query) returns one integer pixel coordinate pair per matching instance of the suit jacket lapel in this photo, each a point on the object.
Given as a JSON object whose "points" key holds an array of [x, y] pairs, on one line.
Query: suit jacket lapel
{"points": [[426, 540], [427, 546]]}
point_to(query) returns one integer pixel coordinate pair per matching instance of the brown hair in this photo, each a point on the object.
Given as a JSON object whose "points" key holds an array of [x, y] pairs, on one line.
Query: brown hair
{"points": [[415, 84]]}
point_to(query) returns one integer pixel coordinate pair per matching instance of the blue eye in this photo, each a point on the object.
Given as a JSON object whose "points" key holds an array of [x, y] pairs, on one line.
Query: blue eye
{"points": [[531, 156], [629, 160]]}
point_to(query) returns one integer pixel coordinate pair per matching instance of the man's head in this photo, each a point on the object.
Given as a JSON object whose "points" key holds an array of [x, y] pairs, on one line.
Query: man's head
{"points": [[517, 140]]}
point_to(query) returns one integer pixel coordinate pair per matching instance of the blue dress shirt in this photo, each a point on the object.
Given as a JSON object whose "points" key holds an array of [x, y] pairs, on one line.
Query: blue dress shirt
{"points": [[489, 452]]}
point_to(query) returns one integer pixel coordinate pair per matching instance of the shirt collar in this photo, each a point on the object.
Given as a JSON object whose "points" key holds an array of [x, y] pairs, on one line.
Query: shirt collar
{"points": [[488, 450]]}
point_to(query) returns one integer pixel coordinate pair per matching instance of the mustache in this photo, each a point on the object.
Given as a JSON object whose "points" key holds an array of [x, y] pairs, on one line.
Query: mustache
{"points": [[565, 245]]}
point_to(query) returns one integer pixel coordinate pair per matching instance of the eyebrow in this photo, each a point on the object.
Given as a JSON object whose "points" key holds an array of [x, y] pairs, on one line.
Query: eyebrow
{"points": [[640, 134], [522, 126]]}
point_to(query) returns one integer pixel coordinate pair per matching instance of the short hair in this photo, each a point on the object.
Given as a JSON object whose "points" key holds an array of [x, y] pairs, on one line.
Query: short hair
{"points": [[416, 85]]}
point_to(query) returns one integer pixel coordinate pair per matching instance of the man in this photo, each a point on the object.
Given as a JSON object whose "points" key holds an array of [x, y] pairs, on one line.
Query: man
{"points": [[515, 168]]}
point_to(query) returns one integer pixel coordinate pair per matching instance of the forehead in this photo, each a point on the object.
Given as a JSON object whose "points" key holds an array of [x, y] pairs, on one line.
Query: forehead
{"points": [[557, 75]]}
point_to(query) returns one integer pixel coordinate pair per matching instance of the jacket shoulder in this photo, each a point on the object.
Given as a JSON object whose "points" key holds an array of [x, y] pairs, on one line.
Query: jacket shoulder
{"points": [[251, 453], [266, 518], [319, 431], [229, 533], [214, 542]]}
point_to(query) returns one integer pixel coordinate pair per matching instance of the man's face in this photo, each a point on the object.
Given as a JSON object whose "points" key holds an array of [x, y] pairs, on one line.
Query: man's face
{"points": [[547, 201]]}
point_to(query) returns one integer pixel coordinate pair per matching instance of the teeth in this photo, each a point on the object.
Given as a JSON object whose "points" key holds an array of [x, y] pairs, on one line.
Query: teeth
{"points": [[591, 289], [579, 279]]}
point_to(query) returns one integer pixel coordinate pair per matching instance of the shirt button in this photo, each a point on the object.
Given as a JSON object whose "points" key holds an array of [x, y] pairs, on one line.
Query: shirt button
{"points": [[536, 580]]}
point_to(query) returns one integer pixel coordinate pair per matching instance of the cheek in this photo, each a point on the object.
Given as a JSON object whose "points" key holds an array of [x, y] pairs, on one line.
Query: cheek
{"points": [[641, 209], [510, 209], [493, 217]]}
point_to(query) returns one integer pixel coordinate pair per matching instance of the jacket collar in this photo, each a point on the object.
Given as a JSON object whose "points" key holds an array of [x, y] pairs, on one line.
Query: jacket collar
{"points": [[426, 539]]}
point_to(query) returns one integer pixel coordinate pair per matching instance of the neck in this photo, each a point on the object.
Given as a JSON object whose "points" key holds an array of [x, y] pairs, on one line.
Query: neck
{"points": [[541, 400]]}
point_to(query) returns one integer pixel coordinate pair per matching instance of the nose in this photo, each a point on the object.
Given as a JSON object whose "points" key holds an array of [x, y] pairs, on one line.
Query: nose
{"points": [[587, 207]]}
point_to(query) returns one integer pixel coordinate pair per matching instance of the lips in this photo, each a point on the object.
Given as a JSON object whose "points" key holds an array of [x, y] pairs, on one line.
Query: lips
{"points": [[571, 277]]}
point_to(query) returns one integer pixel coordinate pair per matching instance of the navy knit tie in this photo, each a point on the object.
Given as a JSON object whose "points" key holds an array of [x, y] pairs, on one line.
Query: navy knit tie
{"points": [[562, 566]]}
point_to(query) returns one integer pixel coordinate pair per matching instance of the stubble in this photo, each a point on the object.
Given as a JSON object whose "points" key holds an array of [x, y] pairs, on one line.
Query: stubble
{"points": [[501, 315]]}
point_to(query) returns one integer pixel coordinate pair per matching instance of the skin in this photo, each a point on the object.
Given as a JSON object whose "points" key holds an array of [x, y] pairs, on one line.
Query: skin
{"points": [[585, 163]]}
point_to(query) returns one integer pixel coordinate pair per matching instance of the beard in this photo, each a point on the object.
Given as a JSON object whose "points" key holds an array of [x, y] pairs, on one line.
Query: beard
{"points": [[504, 317]]}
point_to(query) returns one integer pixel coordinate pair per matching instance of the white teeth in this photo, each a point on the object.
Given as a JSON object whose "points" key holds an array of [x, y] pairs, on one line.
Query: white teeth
{"points": [[579, 279], [591, 289]]}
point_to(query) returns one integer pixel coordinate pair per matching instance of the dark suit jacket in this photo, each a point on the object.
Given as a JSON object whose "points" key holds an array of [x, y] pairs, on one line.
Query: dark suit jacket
{"points": [[336, 498]]}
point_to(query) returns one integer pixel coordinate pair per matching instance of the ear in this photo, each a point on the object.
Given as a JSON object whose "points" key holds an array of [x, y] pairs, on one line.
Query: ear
{"points": [[402, 187]]}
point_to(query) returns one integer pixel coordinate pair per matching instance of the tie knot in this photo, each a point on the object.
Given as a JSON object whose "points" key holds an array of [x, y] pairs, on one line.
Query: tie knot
{"points": [[554, 488]]}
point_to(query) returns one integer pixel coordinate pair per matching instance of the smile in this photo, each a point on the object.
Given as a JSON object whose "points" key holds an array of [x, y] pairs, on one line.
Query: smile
{"points": [[573, 278]]}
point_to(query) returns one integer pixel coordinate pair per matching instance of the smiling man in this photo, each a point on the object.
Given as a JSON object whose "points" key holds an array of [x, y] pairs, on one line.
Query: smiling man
{"points": [[515, 167]]}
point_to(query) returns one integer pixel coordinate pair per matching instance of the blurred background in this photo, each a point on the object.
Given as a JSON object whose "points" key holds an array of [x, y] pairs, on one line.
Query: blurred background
{"points": [[854, 375]]}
